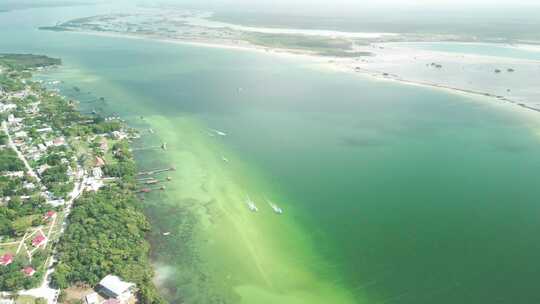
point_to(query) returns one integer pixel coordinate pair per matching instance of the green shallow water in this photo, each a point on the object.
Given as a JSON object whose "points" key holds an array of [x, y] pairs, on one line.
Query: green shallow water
{"points": [[392, 194]]}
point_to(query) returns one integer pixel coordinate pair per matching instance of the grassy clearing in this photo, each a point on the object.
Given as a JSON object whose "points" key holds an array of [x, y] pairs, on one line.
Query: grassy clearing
{"points": [[25, 300], [8, 249]]}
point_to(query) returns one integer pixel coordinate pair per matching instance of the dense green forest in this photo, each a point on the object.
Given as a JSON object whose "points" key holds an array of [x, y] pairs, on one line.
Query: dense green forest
{"points": [[106, 235], [12, 278], [27, 61], [17, 215], [9, 161], [107, 229], [107, 232], [3, 138]]}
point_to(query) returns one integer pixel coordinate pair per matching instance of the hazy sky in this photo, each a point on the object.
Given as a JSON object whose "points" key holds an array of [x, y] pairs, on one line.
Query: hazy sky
{"points": [[346, 6], [357, 3], [356, 7]]}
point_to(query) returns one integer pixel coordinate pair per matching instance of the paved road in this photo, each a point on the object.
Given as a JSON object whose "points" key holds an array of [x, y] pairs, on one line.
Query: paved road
{"points": [[19, 154]]}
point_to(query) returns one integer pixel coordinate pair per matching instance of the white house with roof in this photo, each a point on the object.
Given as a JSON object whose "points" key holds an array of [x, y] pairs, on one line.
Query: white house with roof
{"points": [[6, 300], [13, 120], [97, 172], [4, 107], [21, 134], [92, 298], [113, 287]]}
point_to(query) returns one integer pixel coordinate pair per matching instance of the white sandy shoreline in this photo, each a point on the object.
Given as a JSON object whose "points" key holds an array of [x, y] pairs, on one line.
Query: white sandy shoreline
{"points": [[332, 63]]}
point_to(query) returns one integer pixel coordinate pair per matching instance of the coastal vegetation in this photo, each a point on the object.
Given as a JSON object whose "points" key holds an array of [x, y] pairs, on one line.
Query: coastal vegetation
{"points": [[314, 44], [106, 235], [107, 232], [320, 45], [47, 158], [20, 62], [9, 161], [18, 216], [14, 279], [26, 211]]}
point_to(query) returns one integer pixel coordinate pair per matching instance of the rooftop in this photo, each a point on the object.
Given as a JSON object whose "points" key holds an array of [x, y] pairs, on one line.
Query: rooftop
{"points": [[115, 284], [6, 259]]}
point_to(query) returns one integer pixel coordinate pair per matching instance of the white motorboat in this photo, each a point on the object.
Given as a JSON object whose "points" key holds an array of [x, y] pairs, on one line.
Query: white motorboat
{"points": [[275, 207], [251, 205]]}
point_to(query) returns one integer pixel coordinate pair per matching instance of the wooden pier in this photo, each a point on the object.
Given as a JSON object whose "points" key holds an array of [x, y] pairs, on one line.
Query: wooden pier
{"points": [[148, 190], [152, 172], [163, 146]]}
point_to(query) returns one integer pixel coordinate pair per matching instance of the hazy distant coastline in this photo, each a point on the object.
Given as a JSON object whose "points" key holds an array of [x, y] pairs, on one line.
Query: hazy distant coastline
{"points": [[380, 55]]}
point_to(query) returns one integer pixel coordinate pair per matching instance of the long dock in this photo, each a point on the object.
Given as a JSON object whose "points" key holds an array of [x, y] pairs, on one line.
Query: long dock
{"points": [[148, 190], [163, 146], [152, 172], [152, 180]]}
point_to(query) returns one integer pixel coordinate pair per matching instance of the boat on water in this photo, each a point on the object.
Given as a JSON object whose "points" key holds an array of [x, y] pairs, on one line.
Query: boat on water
{"points": [[224, 159], [251, 205], [275, 207], [218, 132], [166, 233]]}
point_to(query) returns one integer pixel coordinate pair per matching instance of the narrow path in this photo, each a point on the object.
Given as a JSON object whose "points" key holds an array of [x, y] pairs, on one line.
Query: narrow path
{"points": [[19, 154], [9, 244], [21, 243]]}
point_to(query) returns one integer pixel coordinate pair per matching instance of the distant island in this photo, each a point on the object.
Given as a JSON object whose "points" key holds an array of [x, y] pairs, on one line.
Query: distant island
{"points": [[70, 220], [385, 56]]}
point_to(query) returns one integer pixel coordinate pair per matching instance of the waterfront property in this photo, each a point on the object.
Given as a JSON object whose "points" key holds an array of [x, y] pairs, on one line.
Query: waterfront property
{"points": [[113, 287], [361, 168]]}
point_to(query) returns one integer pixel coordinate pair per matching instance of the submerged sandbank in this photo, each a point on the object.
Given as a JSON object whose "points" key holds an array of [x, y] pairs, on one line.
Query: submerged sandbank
{"points": [[244, 254]]}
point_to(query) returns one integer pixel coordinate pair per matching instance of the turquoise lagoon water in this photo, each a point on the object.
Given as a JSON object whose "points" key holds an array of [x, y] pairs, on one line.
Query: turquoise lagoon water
{"points": [[392, 194]]}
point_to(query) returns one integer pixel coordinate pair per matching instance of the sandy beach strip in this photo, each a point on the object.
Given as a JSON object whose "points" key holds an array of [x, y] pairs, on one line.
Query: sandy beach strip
{"points": [[330, 63]]}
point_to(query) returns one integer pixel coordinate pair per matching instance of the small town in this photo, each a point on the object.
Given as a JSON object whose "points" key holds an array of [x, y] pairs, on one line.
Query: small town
{"points": [[53, 158]]}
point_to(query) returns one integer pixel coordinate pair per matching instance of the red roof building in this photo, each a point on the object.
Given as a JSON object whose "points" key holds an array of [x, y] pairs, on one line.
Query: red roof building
{"points": [[29, 271], [99, 162], [39, 240], [59, 141], [49, 215], [6, 259], [103, 145]]}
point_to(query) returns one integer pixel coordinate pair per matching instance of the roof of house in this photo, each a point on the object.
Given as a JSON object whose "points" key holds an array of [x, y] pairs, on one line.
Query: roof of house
{"points": [[92, 298], [100, 162], [6, 259], [59, 141], [29, 271], [111, 301], [50, 214], [115, 284], [38, 240]]}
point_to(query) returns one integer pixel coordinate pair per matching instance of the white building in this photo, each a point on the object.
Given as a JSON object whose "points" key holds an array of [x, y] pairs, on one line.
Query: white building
{"points": [[29, 186], [13, 120], [113, 287], [60, 141], [44, 130], [4, 107], [119, 135], [92, 298], [21, 134], [56, 202], [93, 184], [97, 172], [14, 174]]}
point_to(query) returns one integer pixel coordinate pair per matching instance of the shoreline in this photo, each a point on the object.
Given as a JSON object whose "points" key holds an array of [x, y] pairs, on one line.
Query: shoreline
{"points": [[118, 189], [331, 63]]}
